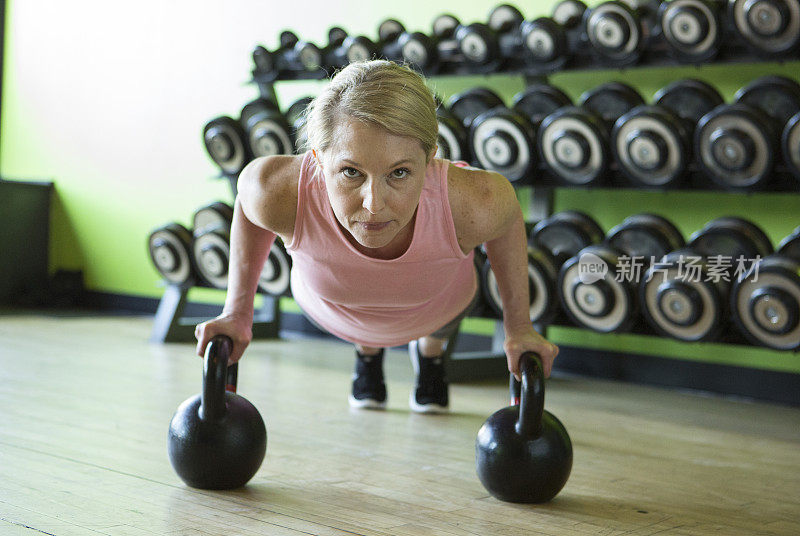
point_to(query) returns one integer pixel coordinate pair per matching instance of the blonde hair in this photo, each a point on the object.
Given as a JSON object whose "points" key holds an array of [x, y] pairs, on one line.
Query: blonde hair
{"points": [[377, 91]]}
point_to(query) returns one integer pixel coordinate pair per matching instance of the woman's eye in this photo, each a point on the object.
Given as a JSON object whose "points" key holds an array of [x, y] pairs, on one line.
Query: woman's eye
{"points": [[350, 172], [400, 173]]}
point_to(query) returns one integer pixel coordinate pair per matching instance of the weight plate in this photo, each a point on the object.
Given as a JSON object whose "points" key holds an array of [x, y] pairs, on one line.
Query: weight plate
{"points": [[776, 96], [645, 236], [591, 294], [766, 303], [504, 18], [269, 134], [359, 48], [452, 139], [565, 233], [336, 36], [542, 277], [574, 146], [544, 40], [288, 39], [478, 43], [790, 246], [736, 146], [614, 32], [731, 237], [390, 29], [469, 104], [225, 142], [275, 276], [263, 59], [214, 214], [254, 107], [651, 146], [679, 300], [444, 26], [211, 252], [689, 98], [419, 50], [770, 27], [537, 101], [569, 13], [611, 100], [309, 55], [790, 144], [502, 140], [170, 248], [692, 29]]}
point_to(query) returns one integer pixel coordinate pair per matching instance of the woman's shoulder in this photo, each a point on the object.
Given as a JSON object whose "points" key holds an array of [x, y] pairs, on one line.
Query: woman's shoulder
{"points": [[481, 202], [267, 189]]}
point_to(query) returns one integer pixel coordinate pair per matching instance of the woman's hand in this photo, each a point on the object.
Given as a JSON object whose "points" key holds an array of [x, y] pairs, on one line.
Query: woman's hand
{"points": [[526, 339], [237, 326]]}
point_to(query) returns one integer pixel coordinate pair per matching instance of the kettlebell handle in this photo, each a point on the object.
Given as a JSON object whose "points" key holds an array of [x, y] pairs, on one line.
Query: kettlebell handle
{"points": [[217, 375], [531, 404]]}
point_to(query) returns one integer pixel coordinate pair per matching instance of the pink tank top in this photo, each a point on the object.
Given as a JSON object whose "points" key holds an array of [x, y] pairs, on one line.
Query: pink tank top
{"points": [[377, 302]]}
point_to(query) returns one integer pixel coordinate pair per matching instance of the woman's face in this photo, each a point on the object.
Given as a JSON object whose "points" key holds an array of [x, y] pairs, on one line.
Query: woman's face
{"points": [[374, 181]]}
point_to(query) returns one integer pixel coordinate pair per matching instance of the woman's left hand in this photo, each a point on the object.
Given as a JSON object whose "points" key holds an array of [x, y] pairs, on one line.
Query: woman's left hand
{"points": [[526, 339]]}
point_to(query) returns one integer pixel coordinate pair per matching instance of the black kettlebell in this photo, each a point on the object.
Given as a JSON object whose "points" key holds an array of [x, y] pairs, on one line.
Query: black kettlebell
{"points": [[217, 439], [523, 453]]}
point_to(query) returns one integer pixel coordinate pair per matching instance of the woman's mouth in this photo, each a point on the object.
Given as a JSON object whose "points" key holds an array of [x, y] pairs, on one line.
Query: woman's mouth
{"points": [[373, 225]]}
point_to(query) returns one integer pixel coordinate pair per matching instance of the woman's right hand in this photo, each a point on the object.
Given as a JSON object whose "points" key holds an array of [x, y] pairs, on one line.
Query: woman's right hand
{"points": [[237, 326]]}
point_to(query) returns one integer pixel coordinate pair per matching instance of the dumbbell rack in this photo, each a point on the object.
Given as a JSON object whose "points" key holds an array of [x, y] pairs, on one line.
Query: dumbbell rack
{"points": [[470, 365], [170, 323]]}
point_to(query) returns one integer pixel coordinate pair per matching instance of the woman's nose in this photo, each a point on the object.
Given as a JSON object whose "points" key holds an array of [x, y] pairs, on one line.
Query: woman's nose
{"points": [[372, 196]]}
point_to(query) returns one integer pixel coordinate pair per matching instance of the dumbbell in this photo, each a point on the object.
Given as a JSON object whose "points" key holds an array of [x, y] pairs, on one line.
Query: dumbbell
{"points": [[692, 29], [170, 249], [645, 236], [296, 117], [731, 238], [226, 144], [682, 297], [437, 51], [551, 241], [456, 119], [548, 42], [392, 36], [765, 301], [618, 33], [268, 132], [353, 48], [542, 272], [212, 223], [771, 28], [790, 145], [211, 244], [291, 57], [574, 142], [502, 139], [487, 47], [311, 57], [652, 145], [736, 144], [601, 300]]}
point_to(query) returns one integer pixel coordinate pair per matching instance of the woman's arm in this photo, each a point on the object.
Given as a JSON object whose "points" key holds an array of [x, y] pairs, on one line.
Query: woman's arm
{"points": [[265, 207], [486, 211]]}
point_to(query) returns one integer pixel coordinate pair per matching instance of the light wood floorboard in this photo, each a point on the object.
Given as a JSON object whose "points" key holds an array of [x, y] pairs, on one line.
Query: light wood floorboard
{"points": [[86, 402]]}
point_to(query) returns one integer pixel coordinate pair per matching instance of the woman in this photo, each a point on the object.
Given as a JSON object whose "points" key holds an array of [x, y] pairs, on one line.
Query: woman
{"points": [[381, 234]]}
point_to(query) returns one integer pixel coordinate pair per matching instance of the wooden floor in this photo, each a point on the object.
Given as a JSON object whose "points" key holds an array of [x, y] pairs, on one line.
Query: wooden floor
{"points": [[86, 403]]}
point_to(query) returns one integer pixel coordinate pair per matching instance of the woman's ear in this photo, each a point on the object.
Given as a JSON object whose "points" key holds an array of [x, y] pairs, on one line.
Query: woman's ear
{"points": [[433, 153]]}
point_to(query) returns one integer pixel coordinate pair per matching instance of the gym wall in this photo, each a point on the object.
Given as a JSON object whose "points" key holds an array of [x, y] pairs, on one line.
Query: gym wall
{"points": [[109, 101]]}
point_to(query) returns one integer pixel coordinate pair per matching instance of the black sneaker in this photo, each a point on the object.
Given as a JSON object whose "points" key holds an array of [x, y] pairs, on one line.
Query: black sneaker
{"points": [[369, 391], [430, 392]]}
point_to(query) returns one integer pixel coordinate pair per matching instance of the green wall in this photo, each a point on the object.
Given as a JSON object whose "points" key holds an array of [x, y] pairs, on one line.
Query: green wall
{"points": [[109, 101]]}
